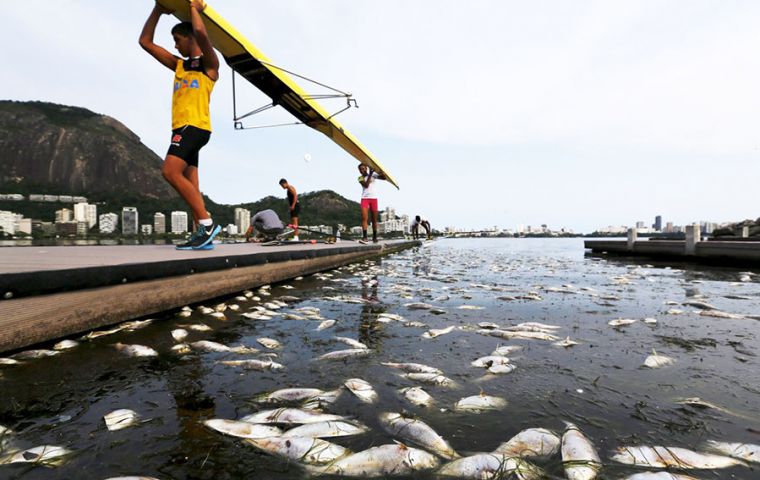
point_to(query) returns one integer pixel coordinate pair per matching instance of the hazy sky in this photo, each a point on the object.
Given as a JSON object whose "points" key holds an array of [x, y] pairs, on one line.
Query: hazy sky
{"points": [[574, 113]]}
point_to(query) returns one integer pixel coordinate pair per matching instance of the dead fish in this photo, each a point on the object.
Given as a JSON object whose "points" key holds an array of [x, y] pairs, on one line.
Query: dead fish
{"points": [[209, 346], [719, 314], [698, 304], [65, 345], [537, 325], [351, 342], [181, 349], [565, 343], [184, 313], [741, 451], [659, 476], [490, 466], [418, 306], [432, 333], [9, 361], [121, 418], [656, 361], [488, 325], [197, 327], [489, 361], [415, 324], [672, 457], [413, 367], [392, 316], [32, 354], [289, 298], [136, 324], [242, 429], [362, 389], [621, 322], [417, 396], [289, 395], [521, 335], [418, 433], [135, 350], [253, 364], [220, 307], [326, 324], [506, 350], [384, 460], [326, 398], [503, 368], [431, 378], [44, 455], [650, 321], [269, 343], [579, 456], [532, 442], [289, 416], [328, 429], [306, 450], [348, 353], [698, 402], [469, 307], [674, 311], [179, 334], [479, 403]]}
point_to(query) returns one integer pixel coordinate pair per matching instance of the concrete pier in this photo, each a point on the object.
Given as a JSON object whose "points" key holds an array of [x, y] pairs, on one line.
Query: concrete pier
{"points": [[692, 249], [54, 292]]}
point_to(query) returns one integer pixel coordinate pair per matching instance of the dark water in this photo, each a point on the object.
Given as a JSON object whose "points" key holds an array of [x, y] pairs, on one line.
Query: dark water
{"points": [[599, 384]]}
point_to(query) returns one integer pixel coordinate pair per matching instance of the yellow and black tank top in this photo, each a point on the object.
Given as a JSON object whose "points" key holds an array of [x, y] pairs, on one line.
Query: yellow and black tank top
{"points": [[192, 93]]}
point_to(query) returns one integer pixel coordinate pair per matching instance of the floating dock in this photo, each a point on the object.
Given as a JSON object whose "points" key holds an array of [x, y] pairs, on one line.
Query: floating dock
{"points": [[725, 252], [54, 292]]}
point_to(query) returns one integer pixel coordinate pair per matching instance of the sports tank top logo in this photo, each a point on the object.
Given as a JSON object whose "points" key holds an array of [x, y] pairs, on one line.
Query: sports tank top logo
{"points": [[191, 95]]}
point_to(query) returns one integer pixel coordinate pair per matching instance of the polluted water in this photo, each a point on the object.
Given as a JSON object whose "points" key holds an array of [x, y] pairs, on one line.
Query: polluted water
{"points": [[465, 358]]}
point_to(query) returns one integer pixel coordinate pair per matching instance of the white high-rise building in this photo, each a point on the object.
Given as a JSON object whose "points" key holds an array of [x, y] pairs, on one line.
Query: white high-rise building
{"points": [[146, 229], [179, 222], [63, 215], [129, 221], [242, 220], [108, 222], [159, 223], [8, 222], [85, 212], [232, 229]]}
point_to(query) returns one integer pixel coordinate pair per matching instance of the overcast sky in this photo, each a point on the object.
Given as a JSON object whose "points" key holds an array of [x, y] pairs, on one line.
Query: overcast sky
{"points": [[577, 114]]}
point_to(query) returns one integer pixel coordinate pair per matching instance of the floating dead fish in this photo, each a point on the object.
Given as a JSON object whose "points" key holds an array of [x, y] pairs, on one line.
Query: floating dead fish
{"points": [[286, 395], [672, 457], [719, 314], [65, 345], [329, 429], [656, 361], [218, 315], [650, 321], [521, 335], [179, 334], [242, 429], [480, 403], [351, 342], [135, 350], [533, 442], [621, 322], [413, 367], [417, 432], [348, 353], [197, 327], [306, 450], [698, 402], [392, 316], [253, 364], [415, 324], [417, 396], [565, 343], [698, 304], [32, 354], [205, 310], [432, 333], [741, 451], [488, 325], [136, 324], [319, 402], [209, 346], [501, 369], [362, 389], [659, 476], [579, 456], [50, 455], [184, 313], [289, 416], [469, 307], [234, 307], [490, 466], [290, 316], [121, 418], [269, 343], [506, 350], [326, 324], [181, 349], [418, 306], [674, 311], [489, 361], [9, 361], [430, 378], [384, 460]]}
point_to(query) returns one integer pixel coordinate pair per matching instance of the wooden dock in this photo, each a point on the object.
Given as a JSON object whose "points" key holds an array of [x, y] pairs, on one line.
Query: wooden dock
{"points": [[54, 292]]}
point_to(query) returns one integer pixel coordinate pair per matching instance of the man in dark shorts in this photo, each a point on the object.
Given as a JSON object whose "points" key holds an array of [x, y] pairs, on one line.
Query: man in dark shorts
{"points": [[194, 78], [293, 206], [416, 224]]}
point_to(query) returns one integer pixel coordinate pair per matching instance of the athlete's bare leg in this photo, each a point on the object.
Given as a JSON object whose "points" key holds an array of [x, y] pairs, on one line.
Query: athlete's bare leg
{"points": [[174, 173]]}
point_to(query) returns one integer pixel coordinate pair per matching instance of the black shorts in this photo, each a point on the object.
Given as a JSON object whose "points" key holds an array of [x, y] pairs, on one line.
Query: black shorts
{"points": [[186, 142], [296, 210]]}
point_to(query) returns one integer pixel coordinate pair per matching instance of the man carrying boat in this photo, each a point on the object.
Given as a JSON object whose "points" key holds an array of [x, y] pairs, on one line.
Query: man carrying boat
{"points": [[369, 200]]}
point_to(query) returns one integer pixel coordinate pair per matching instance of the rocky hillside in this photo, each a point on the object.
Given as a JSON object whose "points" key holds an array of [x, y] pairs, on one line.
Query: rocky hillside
{"points": [[73, 150]]}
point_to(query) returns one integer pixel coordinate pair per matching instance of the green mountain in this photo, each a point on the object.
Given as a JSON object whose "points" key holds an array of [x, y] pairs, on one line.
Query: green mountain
{"points": [[62, 150]]}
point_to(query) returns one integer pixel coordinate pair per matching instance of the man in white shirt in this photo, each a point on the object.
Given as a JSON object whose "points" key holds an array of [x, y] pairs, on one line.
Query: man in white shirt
{"points": [[369, 200], [415, 226]]}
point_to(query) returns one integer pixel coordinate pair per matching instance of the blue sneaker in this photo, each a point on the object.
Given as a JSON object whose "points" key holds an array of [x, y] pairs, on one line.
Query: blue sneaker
{"points": [[188, 245], [206, 237]]}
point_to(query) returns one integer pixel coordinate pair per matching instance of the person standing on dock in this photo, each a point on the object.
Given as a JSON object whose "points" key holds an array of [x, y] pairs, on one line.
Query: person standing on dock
{"points": [[415, 226], [293, 206], [194, 78], [369, 200]]}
